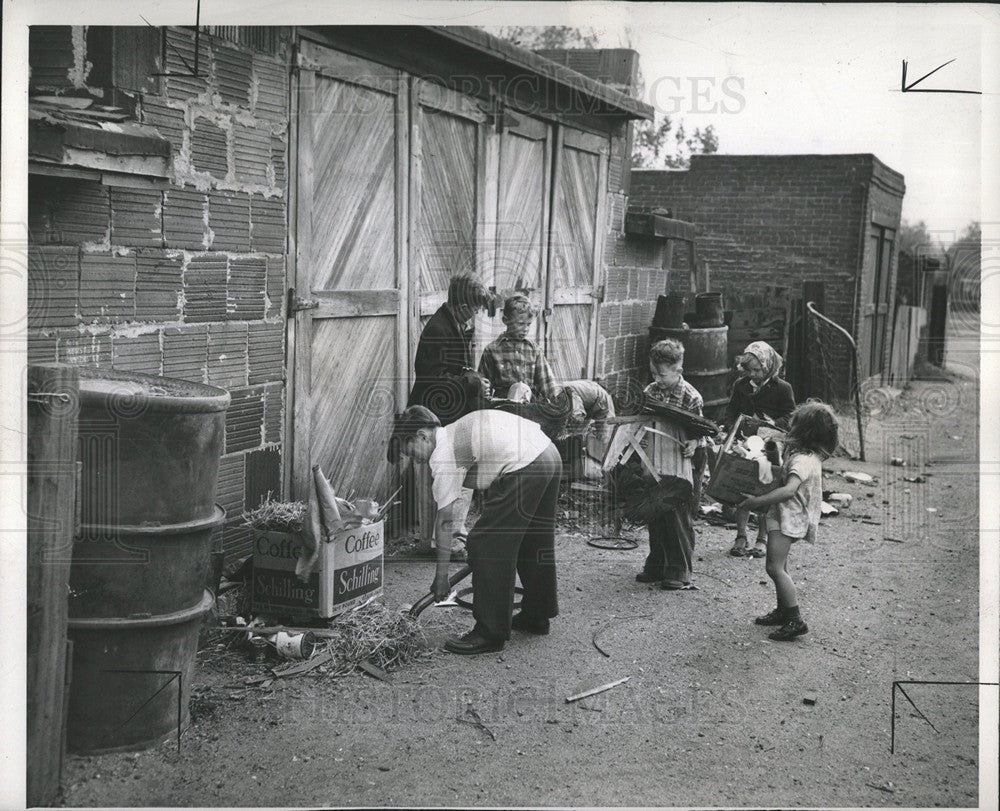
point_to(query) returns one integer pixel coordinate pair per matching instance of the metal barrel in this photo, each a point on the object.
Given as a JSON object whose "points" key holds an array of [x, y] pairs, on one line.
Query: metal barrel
{"points": [[132, 678], [708, 310], [121, 571], [669, 311], [150, 449]]}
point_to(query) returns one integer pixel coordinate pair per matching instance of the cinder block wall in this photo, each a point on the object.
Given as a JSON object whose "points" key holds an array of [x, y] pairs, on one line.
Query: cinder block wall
{"points": [[767, 220], [189, 281], [634, 277]]}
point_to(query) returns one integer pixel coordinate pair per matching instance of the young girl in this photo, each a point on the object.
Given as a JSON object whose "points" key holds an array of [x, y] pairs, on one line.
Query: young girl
{"points": [[795, 508], [768, 400]]}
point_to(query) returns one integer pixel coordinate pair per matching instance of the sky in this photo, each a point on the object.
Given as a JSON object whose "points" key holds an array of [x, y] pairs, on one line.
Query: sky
{"points": [[779, 79]]}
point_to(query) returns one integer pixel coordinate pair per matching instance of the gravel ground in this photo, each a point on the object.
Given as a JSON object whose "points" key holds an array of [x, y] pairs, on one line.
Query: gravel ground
{"points": [[713, 713]]}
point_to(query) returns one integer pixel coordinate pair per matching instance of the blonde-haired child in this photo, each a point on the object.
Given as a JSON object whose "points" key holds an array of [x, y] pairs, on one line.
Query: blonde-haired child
{"points": [[794, 509]]}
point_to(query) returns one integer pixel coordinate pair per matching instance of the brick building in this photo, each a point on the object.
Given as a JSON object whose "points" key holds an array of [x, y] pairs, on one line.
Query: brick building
{"points": [[278, 210], [823, 226]]}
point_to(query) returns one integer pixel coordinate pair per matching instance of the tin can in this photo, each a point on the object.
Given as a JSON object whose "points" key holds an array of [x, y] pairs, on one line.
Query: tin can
{"points": [[295, 646], [258, 649]]}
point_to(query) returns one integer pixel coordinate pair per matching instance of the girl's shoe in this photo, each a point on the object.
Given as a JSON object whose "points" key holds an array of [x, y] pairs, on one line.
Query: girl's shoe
{"points": [[773, 617], [739, 549], [789, 630], [758, 552]]}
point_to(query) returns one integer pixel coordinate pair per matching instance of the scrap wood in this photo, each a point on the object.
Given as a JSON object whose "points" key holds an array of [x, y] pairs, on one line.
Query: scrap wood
{"points": [[302, 667], [476, 721], [616, 620], [273, 629], [374, 670], [596, 690], [887, 788]]}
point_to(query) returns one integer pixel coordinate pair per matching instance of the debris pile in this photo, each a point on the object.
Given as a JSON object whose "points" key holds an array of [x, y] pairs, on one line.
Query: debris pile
{"points": [[372, 633]]}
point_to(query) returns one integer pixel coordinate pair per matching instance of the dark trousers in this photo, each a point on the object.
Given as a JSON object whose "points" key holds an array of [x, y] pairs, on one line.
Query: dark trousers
{"points": [[671, 545], [516, 536]]}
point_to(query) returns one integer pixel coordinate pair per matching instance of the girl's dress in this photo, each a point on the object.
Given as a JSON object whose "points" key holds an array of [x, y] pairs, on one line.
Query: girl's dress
{"points": [[798, 516]]}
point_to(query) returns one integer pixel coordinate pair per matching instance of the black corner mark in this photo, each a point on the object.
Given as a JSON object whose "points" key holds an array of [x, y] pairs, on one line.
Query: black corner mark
{"points": [[192, 71], [912, 86]]}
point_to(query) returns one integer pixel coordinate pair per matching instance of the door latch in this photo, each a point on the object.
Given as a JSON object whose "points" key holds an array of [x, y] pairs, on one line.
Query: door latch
{"points": [[296, 304]]}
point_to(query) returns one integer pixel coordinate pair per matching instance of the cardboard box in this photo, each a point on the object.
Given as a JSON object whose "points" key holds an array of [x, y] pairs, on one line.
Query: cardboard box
{"points": [[734, 475], [348, 572]]}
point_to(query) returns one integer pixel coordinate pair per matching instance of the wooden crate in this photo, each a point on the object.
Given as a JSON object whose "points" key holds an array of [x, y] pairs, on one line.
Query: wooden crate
{"points": [[734, 477]]}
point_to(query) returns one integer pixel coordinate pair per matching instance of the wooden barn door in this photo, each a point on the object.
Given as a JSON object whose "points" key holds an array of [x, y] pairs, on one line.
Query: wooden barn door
{"points": [[522, 215], [350, 354], [576, 250], [447, 197]]}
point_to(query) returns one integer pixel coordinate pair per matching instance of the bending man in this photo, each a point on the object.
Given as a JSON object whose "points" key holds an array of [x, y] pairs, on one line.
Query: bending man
{"points": [[519, 468]]}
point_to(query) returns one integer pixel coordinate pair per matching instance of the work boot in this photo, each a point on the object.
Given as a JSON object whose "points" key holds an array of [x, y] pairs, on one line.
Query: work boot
{"points": [[774, 617]]}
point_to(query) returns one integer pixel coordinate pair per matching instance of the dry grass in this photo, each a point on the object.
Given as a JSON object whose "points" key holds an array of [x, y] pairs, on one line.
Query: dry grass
{"points": [[285, 516], [373, 633]]}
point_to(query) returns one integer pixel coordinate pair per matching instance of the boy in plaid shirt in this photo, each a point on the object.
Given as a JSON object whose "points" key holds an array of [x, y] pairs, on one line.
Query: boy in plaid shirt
{"points": [[671, 534], [513, 358]]}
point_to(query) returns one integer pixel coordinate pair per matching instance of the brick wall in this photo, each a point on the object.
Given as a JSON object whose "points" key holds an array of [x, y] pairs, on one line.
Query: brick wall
{"points": [[185, 281], [766, 220]]}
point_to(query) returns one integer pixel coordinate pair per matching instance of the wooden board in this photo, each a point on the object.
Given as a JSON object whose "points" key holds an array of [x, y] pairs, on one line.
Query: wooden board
{"points": [[52, 437]]}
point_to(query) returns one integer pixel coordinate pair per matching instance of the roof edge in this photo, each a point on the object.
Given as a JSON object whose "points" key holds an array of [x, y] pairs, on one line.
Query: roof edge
{"points": [[491, 45]]}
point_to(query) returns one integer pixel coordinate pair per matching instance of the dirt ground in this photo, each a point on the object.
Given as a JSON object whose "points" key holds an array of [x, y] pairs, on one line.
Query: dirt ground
{"points": [[713, 713]]}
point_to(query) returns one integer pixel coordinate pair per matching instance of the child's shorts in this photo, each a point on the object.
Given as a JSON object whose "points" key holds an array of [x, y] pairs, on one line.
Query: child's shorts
{"points": [[773, 524]]}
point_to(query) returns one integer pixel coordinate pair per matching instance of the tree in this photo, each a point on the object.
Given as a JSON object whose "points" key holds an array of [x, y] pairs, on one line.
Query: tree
{"points": [[662, 143], [914, 239], [658, 145], [542, 37]]}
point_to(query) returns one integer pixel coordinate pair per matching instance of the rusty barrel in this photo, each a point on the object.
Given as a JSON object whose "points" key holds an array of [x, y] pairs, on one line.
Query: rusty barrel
{"points": [[705, 362], [150, 449], [132, 678]]}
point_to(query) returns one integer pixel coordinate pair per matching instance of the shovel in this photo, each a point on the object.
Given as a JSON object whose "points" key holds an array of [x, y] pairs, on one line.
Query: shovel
{"points": [[428, 599]]}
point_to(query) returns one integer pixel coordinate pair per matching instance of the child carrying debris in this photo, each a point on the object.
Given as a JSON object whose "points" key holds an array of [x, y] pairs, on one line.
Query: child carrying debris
{"points": [[765, 399], [671, 534], [794, 508], [512, 363]]}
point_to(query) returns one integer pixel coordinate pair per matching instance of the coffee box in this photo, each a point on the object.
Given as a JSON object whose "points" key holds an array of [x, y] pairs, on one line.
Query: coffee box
{"points": [[349, 572]]}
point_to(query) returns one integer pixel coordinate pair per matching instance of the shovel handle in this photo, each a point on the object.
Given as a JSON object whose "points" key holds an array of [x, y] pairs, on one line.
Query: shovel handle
{"points": [[428, 598]]}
